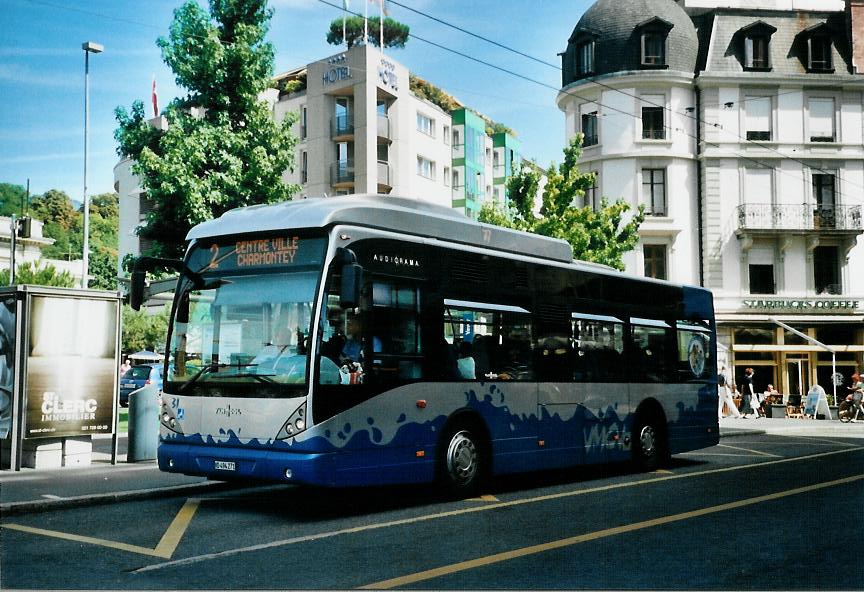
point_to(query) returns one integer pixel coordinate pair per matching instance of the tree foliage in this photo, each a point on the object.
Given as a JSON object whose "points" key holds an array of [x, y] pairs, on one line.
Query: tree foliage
{"points": [[143, 330], [395, 33], [222, 149], [12, 199], [38, 273], [601, 236]]}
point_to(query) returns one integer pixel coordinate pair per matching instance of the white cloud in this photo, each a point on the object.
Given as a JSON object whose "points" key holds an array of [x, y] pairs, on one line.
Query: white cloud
{"points": [[23, 75]]}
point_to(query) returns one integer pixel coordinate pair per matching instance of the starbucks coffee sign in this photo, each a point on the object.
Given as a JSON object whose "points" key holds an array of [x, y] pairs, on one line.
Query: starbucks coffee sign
{"points": [[803, 304]]}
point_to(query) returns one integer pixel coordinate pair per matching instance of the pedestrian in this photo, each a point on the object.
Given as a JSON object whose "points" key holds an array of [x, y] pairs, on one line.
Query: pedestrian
{"points": [[749, 400], [125, 366], [725, 396]]}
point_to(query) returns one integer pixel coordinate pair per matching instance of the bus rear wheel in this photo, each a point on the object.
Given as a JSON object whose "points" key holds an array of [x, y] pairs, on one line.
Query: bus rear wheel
{"points": [[461, 462], [650, 450]]}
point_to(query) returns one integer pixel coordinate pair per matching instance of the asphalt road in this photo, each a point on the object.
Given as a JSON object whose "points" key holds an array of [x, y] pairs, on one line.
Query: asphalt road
{"points": [[756, 512]]}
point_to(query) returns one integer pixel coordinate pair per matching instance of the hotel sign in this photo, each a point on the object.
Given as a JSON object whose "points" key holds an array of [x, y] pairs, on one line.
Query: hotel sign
{"points": [[802, 304], [387, 74], [337, 70]]}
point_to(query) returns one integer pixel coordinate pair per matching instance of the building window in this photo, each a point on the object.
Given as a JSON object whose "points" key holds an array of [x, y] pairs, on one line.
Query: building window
{"points": [[824, 216], [762, 278], [826, 271], [457, 138], [652, 117], [304, 131], [757, 115], [592, 193], [304, 167], [654, 191], [821, 119], [756, 55], [589, 128], [425, 124], [425, 167], [758, 186], [653, 48], [447, 176], [655, 261], [446, 134], [585, 58], [819, 54]]}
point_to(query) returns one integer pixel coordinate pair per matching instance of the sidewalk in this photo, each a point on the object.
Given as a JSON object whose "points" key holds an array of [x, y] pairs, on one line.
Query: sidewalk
{"points": [[35, 491]]}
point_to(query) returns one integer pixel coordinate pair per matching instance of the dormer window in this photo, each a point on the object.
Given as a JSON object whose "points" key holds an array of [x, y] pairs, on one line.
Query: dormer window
{"points": [[585, 58], [816, 48], [757, 45], [653, 48], [819, 54], [653, 34]]}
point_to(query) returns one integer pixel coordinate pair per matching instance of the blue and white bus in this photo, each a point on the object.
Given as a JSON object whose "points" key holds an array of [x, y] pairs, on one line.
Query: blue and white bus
{"points": [[368, 340]]}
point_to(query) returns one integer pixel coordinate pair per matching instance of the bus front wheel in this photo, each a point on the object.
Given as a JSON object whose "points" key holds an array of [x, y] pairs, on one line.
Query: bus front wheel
{"points": [[650, 451], [461, 461]]}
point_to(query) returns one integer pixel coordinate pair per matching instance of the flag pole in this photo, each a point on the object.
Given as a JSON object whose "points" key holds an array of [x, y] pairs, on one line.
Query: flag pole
{"points": [[381, 24], [345, 6], [366, 23]]}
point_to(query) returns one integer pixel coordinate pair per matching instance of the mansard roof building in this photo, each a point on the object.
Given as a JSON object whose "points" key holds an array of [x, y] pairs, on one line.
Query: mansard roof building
{"points": [[739, 126]]}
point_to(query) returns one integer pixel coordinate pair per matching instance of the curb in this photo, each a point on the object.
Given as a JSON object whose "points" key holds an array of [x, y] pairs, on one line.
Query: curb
{"points": [[47, 505], [734, 433]]}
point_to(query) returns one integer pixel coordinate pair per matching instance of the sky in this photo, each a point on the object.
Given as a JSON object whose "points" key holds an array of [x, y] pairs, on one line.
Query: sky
{"points": [[42, 71]]}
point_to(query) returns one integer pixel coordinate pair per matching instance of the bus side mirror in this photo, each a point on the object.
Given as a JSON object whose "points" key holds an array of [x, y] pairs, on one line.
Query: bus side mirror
{"points": [[352, 283], [136, 289]]}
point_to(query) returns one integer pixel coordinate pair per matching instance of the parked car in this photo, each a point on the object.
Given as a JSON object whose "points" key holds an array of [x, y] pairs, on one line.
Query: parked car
{"points": [[137, 377]]}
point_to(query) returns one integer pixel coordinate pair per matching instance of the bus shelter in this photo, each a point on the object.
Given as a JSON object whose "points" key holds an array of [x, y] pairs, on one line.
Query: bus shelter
{"points": [[59, 362]]}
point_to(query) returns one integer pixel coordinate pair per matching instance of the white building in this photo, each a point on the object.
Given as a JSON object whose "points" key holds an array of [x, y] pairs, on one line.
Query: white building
{"points": [[739, 125], [363, 129], [29, 250]]}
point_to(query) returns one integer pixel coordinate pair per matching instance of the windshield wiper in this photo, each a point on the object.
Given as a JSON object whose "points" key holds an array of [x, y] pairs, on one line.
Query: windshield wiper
{"points": [[214, 367]]}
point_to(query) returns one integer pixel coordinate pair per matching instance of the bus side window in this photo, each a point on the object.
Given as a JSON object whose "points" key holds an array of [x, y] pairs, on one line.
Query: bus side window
{"points": [[395, 332], [599, 347], [650, 353]]}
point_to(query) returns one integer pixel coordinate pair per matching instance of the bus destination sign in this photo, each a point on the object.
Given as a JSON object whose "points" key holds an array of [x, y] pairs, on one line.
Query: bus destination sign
{"points": [[276, 251]]}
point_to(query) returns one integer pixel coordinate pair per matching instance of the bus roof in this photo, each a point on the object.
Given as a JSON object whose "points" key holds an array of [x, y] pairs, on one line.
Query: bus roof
{"points": [[396, 214]]}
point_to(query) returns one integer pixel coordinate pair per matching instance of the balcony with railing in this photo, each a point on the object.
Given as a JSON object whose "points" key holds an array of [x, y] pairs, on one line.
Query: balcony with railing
{"points": [[800, 217], [342, 127], [458, 151], [384, 129], [342, 173], [385, 184]]}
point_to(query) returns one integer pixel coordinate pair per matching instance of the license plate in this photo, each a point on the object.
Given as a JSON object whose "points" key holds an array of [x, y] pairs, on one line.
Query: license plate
{"points": [[224, 465], [128, 385]]}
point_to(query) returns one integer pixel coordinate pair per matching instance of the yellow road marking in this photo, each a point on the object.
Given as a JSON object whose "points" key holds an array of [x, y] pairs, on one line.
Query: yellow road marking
{"points": [[462, 511], [165, 549], [483, 498], [756, 452], [592, 536]]}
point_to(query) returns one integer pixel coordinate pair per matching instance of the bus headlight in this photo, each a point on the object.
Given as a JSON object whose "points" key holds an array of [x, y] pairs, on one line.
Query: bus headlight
{"points": [[295, 424]]}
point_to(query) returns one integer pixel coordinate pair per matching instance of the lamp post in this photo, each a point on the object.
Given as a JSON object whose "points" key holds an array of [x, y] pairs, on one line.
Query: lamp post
{"points": [[88, 47]]}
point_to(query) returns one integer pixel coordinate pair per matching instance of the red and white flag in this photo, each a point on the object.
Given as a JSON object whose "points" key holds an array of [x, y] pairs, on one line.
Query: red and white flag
{"points": [[155, 99]]}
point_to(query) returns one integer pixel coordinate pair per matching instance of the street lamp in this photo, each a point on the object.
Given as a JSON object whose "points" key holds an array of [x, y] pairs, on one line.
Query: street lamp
{"points": [[88, 47]]}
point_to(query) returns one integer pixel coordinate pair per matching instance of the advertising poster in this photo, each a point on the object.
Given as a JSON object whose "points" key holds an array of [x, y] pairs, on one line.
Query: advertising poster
{"points": [[71, 367], [7, 363]]}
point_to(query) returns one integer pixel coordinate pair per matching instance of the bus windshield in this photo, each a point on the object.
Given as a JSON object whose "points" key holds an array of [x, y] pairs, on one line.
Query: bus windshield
{"points": [[244, 334]]}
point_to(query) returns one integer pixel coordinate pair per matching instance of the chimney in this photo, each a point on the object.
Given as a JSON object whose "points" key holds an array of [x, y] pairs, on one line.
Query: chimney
{"points": [[855, 14]]}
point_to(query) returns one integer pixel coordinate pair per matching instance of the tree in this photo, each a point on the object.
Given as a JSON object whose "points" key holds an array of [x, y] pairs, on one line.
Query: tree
{"points": [[395, 33], [38, 274], [143, 330], [601, 236], [12, 198], [222, 149]]}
